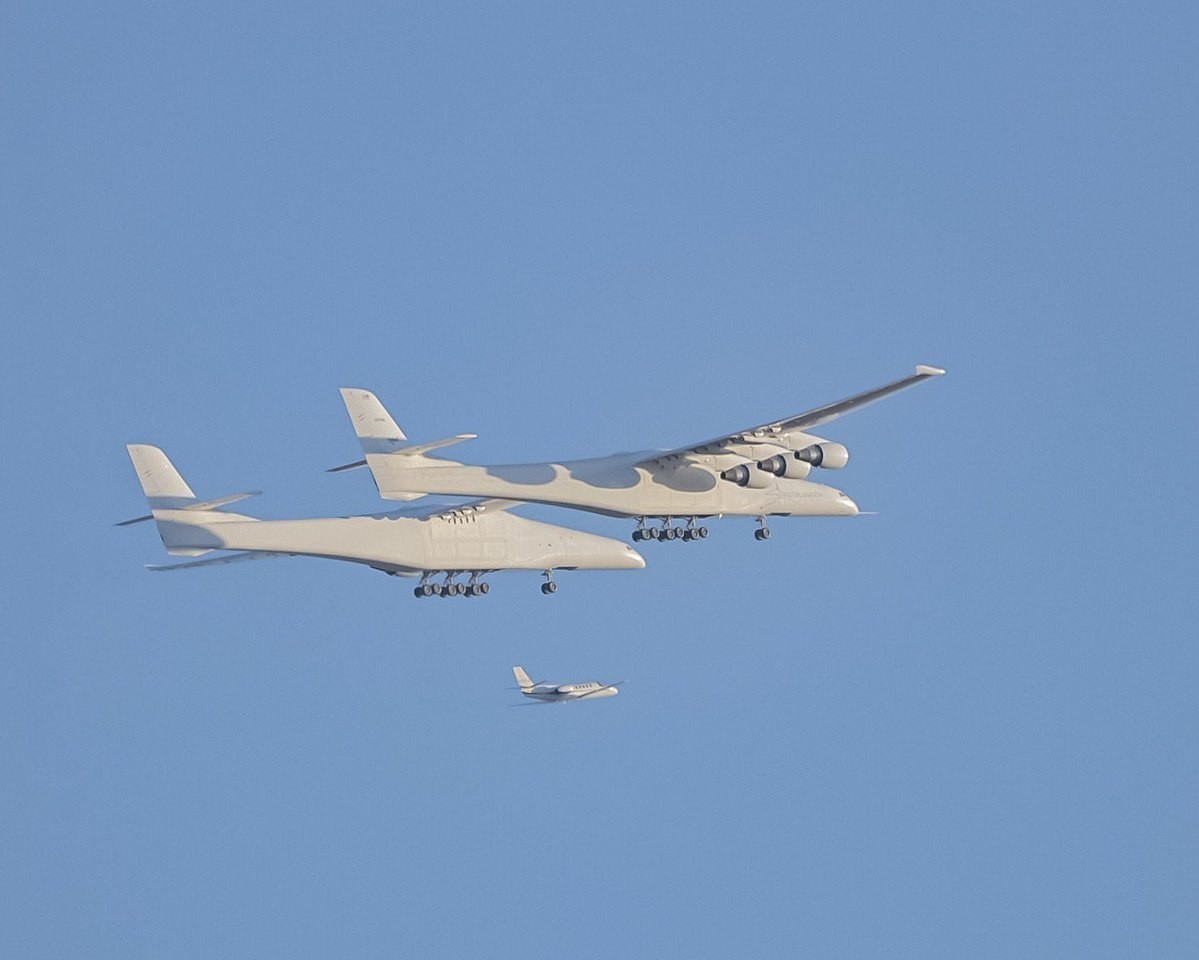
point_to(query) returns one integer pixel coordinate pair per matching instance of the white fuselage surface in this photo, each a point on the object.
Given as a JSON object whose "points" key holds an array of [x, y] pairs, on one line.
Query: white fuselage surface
{"points": [[625, 485], [459, 540]]}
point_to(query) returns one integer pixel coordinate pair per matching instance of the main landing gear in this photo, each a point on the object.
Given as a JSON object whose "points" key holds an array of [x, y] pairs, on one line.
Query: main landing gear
{"points": [[763, 531], [448, 588], [668, 532], [549, 586]]}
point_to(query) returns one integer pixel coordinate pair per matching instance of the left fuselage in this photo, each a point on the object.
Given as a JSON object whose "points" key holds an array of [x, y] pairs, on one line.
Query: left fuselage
{"points": [[556, 693], [458, 541]]}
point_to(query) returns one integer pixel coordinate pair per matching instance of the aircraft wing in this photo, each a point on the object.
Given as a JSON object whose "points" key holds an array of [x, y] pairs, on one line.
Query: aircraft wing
{"points": [[215, 561], [427, 512], [763, 433], [592, 693]]}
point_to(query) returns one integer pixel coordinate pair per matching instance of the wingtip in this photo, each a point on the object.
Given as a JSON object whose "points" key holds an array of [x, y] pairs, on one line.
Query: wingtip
{"points": [[929, 371]]}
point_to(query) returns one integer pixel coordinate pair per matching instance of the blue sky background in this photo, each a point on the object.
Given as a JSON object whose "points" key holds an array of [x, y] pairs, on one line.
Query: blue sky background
{"points": [[964, 727]]}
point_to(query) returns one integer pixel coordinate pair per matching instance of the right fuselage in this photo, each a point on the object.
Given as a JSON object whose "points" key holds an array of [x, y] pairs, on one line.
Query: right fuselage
{"points": [[622, 485]]}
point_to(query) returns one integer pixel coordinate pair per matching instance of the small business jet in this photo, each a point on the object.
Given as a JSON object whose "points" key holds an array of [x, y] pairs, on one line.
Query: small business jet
{"points": [[562, 692], [469, 540], [760, 471]]}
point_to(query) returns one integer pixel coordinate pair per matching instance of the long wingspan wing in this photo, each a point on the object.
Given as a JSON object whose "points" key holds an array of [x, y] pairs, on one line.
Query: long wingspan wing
{"points": [[802, 421], [429, 510], [473, 506]]}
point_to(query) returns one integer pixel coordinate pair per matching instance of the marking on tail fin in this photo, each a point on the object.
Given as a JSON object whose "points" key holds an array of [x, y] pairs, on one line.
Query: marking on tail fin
{"points": [[159, 479], [370, 418]]}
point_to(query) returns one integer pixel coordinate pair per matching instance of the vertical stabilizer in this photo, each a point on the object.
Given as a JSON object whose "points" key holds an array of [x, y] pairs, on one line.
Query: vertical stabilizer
{"points": [[181, 519], [522, 678], [377, 432], [162, 484], [376, 429]]}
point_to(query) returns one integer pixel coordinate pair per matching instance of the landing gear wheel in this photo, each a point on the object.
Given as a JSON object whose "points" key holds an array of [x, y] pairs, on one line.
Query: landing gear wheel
{"points": [[418, 592], [688, 535], [763, 534], [548, 588], [638, 536], [702, 532], [434, 589], [483, 587]]}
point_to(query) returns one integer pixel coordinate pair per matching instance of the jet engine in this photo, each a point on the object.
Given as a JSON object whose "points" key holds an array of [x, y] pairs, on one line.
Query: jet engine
{"points": [[830, 456], [782, 466], [744, 476]]}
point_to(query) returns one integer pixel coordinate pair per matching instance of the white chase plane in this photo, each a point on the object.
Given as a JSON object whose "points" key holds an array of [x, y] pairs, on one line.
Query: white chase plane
{"points": [[469, 540], [562, 692], [759, 471]]}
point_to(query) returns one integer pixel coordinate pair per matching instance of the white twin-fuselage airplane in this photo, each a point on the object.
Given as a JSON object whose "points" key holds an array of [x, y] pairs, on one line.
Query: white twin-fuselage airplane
{"points": [[562, 692], [468, 540], [760, 471]]}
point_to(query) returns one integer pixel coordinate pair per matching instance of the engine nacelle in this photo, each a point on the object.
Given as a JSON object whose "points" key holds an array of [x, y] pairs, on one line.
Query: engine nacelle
{"points": [[746, 476], [783, 466], [830, 456]]}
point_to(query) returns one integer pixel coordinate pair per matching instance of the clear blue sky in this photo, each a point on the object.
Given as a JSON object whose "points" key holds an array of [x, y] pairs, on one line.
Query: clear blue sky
{"points": [[964, 727]]}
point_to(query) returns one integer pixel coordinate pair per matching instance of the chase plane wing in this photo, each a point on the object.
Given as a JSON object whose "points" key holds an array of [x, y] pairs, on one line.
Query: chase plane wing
{"points": [[599, 689]]}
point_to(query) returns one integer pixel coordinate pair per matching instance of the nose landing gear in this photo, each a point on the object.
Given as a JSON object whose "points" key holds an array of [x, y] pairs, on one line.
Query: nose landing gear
{"points": [[763, 531], [549, 586]]}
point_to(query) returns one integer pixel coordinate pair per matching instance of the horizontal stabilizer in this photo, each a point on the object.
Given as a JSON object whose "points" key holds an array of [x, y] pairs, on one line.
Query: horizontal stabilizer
{"points": [[347, 466], [222, 501], [213, 561], [400, 449], [125, 523]]}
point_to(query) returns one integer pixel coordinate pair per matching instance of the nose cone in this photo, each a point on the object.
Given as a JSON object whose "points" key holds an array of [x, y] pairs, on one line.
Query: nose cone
{"points": [[632, 560], [589, 551], [846, 507]]}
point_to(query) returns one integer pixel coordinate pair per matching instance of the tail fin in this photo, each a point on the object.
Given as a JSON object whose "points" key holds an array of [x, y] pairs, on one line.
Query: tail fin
{"points": [[162, 484], [522, 678], [182, 530], [375, 428], [384, 443]]}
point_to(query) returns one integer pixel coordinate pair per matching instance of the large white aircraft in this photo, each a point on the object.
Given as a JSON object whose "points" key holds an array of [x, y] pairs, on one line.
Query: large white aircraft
{"points": [[469, 540], [760, 471], [562, 692]]}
